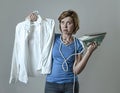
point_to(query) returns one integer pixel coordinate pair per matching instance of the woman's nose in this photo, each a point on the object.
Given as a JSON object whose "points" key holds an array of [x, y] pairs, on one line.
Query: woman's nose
{"points": [[65, 25]]}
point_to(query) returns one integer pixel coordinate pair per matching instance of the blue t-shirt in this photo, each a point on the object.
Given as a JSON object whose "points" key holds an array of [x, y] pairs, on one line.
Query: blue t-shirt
{"points": [[63, 57]]}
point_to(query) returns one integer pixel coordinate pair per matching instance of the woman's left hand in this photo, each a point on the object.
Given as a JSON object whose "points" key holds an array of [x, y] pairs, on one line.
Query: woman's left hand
{"points": [[92, 46]]}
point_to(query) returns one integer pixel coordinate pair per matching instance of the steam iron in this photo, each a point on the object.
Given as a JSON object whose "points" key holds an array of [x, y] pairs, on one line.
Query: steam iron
{"points": [[93, 37]]}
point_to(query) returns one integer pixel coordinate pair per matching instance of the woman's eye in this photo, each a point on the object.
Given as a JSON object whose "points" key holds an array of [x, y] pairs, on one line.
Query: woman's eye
{"points": [[69, 23], [62, 22]]}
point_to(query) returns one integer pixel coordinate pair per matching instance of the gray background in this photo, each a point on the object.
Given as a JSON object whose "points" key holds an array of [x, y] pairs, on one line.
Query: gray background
{"points": [[102, 72]]}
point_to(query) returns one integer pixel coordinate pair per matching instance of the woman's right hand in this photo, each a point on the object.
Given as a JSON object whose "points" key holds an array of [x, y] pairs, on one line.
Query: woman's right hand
{"points": [[32, 17]]}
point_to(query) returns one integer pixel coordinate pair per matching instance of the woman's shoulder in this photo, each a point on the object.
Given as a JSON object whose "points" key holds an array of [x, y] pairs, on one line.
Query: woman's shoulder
{"points": [[79, 42], [80, 45], [57, 35]]}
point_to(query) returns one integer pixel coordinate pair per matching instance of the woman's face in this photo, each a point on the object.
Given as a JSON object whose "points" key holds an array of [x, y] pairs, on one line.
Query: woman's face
{"points": [[67, 25]]}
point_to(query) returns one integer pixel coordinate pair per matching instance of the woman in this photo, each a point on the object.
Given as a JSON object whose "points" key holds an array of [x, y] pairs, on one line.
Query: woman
{"points": [[68, 59]]}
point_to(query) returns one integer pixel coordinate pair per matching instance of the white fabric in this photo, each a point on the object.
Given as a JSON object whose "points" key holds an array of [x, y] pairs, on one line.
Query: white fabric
{"points": [[32, 49]]}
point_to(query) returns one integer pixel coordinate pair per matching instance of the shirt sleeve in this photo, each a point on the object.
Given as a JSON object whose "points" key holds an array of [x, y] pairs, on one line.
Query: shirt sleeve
{"points": [[80, 47]]}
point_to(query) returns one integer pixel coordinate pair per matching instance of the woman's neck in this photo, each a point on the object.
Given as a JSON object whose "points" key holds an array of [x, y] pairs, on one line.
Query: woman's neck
{"points": [[67, 39]]}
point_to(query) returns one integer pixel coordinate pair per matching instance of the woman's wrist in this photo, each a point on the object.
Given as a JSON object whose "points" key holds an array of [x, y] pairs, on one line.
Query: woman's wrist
{"points": [[89, 52]]}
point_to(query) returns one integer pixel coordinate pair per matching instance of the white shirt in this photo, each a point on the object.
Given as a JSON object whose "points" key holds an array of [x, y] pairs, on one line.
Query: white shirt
{"points": [[32, 49]]}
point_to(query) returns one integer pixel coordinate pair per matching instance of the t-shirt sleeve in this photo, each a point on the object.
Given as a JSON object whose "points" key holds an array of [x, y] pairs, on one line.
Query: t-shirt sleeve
{"points": [[80, 47]]}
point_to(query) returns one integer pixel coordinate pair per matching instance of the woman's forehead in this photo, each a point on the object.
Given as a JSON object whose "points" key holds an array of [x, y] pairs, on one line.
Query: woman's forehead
{"points": [[67, 19]]}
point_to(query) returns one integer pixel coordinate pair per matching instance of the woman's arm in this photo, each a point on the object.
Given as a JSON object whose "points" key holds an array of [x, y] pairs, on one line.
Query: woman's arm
{"points": [[80, 62]]}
